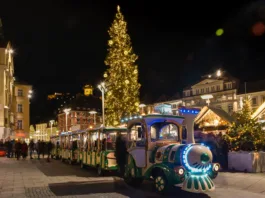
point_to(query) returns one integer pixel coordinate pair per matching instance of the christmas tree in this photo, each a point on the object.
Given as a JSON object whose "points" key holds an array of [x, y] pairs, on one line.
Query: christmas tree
{"points": [[246, 133], [121, 77]]}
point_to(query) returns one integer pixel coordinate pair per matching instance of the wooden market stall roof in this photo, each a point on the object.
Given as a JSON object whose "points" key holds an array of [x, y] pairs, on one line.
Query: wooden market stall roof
{"points": [[259, 111], [219, 112]]}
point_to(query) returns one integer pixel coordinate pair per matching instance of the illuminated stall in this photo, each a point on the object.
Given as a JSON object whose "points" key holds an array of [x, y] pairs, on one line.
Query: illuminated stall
{"points": [[213, 120]]}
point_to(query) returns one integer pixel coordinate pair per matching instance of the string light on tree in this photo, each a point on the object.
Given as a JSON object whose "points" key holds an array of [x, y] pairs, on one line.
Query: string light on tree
{"points": [[121, 76]]}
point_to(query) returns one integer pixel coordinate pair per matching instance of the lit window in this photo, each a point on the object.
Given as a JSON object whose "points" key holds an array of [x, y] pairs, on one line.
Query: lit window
{"points": [[20, 92]]}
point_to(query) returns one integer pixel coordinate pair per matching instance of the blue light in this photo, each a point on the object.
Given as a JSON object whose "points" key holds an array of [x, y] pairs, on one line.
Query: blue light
{"points": [[188, 111], [186, 163], [192, 111]]}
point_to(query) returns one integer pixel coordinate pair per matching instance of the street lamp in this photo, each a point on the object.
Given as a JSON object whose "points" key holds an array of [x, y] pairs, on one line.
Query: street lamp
{"points": [[207, 98], [66, 111], [51, 123], [30, 94], [103, 89], [93, 113]]}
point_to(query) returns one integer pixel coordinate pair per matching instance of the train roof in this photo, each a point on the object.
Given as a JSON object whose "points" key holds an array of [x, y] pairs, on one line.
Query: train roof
{"points": [[152, 118]]}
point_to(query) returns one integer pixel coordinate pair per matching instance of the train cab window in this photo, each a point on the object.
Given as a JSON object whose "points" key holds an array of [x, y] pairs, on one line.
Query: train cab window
{"points": [[137, 135], [165, 132]]}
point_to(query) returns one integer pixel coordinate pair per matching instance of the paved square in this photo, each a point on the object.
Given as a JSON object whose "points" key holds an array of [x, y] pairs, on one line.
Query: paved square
{"points": [[39, 179]]}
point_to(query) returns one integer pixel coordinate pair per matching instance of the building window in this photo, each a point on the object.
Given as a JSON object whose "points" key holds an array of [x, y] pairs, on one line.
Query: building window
{"points": [[219, 107], [263, 99], [20, 92], [174, 106], [19, 108], [218, 87], [207, 90], [254, 101], [197, 91], [212, 89], [228, 86], [19, 124], [202, 91], [230, 108]]}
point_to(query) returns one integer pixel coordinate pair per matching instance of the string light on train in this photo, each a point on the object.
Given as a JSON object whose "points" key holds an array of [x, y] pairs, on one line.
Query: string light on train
{"points": [[186, 164], [130, 118], [187, 111]]}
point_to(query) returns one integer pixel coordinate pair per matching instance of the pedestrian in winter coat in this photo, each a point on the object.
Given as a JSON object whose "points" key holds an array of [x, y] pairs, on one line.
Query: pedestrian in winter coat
{"points": [[9, 148], [38, 148], [24, 150], [121, 153], [49, 150], [18, 146], [31, 148]]}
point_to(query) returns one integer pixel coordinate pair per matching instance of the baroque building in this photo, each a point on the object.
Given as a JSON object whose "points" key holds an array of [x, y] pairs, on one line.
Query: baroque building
{"points": [[6, 87]]}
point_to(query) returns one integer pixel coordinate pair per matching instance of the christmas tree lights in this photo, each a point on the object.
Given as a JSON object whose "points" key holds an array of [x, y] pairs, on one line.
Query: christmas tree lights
{"points": [[246, 133], [121, 77]]}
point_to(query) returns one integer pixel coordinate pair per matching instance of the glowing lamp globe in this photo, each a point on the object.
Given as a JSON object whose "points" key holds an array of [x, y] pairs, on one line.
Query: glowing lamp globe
{"points": [[219, 32]]}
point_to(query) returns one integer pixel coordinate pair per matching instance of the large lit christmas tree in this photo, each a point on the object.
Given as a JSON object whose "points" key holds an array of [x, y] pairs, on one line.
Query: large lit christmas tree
{"points": [[121, 77], [246, 133]]}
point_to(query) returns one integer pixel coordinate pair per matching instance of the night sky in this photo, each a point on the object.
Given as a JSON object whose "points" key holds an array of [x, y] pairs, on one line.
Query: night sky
{"points": [[61, 45]]}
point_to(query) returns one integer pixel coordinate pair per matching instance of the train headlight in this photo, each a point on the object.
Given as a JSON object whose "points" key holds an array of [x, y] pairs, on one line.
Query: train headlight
{"points": [[179, 170], [216, 167]]}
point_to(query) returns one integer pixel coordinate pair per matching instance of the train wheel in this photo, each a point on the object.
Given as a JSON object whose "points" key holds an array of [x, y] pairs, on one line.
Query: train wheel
{"points": [[161, 183]]}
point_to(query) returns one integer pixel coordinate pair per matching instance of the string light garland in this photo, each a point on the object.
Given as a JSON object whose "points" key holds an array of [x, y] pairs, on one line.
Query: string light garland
{"points": [[121, 77]]}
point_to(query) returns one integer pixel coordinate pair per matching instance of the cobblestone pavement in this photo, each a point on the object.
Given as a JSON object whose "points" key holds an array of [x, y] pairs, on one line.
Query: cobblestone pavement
{"points": [[39, 179]]}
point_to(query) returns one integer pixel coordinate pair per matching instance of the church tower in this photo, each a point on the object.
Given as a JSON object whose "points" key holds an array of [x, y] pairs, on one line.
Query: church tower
{"points": [[88, 90]]}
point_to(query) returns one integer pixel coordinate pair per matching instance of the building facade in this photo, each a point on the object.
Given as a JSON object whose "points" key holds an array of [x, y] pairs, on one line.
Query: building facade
{"points": [[218, 90], [78, 119], [21, 110], [6, 90]]}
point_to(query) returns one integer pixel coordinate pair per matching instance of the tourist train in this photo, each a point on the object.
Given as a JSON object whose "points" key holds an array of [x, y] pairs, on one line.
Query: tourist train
{"points": [[155, 151]]}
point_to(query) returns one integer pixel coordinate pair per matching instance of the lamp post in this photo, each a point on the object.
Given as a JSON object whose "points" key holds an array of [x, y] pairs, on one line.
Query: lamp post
{"points": [[103, 89], [51, 123], [66, 111], [94, 114]]}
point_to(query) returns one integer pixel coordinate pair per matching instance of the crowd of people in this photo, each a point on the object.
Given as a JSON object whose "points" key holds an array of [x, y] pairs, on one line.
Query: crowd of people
{"points": [[19, 148]]}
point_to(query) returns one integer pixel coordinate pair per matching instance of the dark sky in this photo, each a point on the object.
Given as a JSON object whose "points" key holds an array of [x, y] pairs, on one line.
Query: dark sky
{"points": [[61, 45]]}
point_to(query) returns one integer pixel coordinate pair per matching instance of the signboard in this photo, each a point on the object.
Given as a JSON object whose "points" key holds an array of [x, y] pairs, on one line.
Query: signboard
{"points": [[164, 109], [75, 127]]}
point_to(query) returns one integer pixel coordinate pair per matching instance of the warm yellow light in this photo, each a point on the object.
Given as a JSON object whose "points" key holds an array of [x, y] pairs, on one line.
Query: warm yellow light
{"points": [[218, 73]]}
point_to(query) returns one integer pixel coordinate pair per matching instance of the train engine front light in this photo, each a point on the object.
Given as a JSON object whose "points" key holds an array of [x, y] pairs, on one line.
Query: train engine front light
{"points": [[179, 170], [197, 160]]}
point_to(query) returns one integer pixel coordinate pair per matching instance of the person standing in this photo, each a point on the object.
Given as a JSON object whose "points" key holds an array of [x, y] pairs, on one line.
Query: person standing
{"points": [[38, 148], [49, 149], [24, 150], [31, 148], [18, 149], [121, 154]]}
